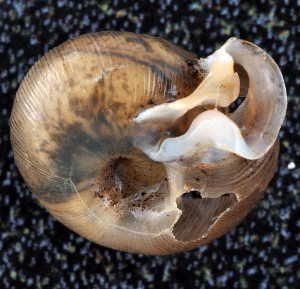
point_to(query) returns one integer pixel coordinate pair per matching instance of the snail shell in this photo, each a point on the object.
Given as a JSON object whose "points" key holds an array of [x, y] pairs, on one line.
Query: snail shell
{"points": [[111, 131]]}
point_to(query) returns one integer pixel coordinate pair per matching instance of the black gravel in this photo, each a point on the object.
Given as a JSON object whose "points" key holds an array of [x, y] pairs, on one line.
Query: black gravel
{"points": [[36, 251]]}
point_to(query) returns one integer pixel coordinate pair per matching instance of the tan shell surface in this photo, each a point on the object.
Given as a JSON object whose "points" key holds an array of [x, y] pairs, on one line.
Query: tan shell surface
{"points": [[73, 141]]}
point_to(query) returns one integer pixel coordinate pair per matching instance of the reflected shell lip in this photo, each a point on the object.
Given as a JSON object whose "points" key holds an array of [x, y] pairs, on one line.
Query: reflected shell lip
{"points": [[113, 131]]}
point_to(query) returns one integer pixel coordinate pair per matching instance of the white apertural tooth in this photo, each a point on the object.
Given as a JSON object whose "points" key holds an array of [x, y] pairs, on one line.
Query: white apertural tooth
{"points": [[220, 88], [163, 111], [211, 128]]}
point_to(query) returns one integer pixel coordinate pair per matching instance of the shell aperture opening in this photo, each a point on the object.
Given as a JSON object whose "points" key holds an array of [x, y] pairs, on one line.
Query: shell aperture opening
{"points": [[210, 128]]}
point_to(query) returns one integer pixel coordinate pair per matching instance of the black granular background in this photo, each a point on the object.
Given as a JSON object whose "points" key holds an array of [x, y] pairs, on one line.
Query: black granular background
{"points": [[36, 251]]}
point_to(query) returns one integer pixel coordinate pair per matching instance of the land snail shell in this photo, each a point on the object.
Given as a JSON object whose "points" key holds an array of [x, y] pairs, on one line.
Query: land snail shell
{"points": [[112, 130]]}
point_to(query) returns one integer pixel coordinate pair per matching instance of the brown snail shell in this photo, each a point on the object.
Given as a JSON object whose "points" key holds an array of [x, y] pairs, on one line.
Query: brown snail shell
{"points": [[110, 130]]}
